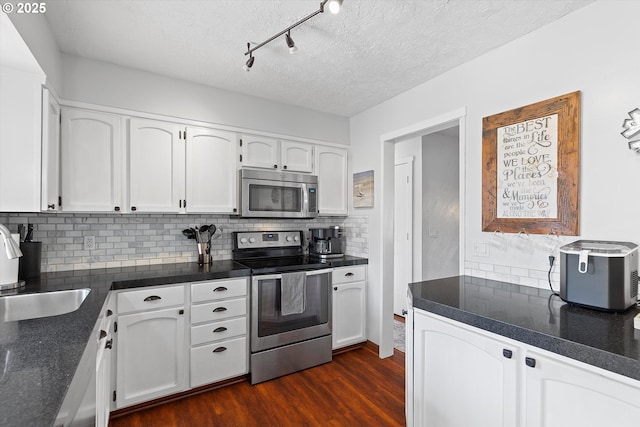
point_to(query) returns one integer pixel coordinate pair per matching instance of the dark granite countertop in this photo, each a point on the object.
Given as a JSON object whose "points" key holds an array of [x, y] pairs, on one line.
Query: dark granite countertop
{"points": [[39, 357], [533, 316], [347, 261]]}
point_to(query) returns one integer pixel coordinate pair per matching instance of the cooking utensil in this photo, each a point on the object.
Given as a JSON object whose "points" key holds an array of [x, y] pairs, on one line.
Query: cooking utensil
{"points": [[29, 236], [189, 233]]}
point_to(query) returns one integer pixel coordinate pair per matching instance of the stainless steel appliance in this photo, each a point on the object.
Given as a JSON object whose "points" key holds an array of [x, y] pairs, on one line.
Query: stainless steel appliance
{"points": [[326, 242], [599, 274], [266, 194], [290, 303]]}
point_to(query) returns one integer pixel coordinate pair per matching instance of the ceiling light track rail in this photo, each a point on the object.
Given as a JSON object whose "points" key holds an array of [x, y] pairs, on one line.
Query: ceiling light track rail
{"points": [[334, 7]]}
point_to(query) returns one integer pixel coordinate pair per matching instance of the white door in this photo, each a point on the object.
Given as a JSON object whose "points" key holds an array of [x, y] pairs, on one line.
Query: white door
{"points": [[50, 152], [156, 166], [296, 156], [151, 355], [331, 169], [91, 161], [402, 235], [348, 314], [559, 394], [212, 171], [462, 378], [260, 152]]}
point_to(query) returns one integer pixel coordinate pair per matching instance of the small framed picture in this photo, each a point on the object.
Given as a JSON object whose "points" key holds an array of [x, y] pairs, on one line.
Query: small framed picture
{"points": [[363, 189]]}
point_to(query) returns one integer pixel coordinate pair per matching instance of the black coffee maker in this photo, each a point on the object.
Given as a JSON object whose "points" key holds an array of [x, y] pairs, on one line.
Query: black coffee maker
{"points": [[326, 242]]}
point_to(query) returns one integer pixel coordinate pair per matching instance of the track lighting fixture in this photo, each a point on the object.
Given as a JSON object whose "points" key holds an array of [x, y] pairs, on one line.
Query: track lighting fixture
{"points": [[290, 43], [334, 7], [247, 66]]}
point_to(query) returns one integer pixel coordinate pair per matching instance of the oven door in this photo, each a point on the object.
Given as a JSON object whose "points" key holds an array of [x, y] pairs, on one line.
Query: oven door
{"points": [[271, 329]]}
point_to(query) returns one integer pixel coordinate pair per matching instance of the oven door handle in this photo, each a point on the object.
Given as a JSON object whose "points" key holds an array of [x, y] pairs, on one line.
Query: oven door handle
{"points": [[279, 276]]}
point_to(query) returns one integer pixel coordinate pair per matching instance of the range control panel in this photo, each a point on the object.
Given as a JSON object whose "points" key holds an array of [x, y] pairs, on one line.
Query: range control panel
{"points": [[268, 239]]}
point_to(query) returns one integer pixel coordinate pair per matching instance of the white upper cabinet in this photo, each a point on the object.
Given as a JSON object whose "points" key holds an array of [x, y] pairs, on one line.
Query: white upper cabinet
{"points": [[332, 171], [91, 161], [156, 166], [274, 154], [212, 171], [20, 123], [50, 152]]}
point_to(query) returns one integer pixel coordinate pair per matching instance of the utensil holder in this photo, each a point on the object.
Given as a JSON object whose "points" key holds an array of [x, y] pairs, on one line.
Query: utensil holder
{"points": [[31, 260], [203, 256]]}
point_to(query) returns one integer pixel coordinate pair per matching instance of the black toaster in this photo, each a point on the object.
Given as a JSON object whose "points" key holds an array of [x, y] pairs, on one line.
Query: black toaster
{"points": [[599, 274]]}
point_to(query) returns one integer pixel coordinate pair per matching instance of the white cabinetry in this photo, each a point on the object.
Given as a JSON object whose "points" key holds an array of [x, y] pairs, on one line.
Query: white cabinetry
{"points": [[20, 138], [219, 345], [156, 166], [104, 362], [331, 168], [499, 381], [274, 154], [50, 152], [91, 161], [152, 350], [175, 168], [349, 306]]}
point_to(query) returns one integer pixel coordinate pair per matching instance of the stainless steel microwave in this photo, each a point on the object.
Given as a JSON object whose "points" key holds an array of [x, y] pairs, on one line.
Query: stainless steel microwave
{"points": [[266, 194]]}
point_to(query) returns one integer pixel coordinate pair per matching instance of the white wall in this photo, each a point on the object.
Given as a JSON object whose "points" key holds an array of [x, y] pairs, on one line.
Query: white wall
{"points": [[111, 85], [440, 206], [36, 33], [591, 50]]}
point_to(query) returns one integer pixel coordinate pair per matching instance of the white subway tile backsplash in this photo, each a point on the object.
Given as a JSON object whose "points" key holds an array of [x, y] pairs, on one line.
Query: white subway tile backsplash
{"points": [[139, 239]]}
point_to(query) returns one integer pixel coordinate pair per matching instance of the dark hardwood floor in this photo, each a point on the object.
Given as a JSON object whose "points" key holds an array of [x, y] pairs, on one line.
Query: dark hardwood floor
{"points": [[356, 389]]}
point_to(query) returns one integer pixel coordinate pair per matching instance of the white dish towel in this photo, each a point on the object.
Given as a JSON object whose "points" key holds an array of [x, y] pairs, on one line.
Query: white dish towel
{"points": [[293, 293]]}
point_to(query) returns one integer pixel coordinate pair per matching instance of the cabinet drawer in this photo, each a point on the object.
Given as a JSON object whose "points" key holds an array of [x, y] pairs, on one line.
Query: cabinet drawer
{"points": [[218, 310], [150, 299], [349, 274], [224, 329], [219, 289], [219, 361]]}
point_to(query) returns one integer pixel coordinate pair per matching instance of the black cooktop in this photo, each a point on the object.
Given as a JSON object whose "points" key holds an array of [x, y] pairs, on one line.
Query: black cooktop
{"points": [[281, 264]]}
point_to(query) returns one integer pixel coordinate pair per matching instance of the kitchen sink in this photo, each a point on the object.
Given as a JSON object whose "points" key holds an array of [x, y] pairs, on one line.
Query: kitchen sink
{"points": [[33, 306]]}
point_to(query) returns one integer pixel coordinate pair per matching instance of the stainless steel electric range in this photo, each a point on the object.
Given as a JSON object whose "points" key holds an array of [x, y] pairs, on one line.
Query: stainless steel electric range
{"points": [[290, 303]]}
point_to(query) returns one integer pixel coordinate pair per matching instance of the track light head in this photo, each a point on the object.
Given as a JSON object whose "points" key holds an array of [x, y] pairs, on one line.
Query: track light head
{"points": [[290, 43], [334, 6], [247, 66]]}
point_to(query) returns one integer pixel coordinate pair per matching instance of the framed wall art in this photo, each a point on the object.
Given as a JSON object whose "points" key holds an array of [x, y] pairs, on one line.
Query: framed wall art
{"points": [[530, 158], [363, 189]]}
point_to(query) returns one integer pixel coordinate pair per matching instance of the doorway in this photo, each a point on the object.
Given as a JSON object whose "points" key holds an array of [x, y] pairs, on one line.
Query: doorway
{"points": [[454, 118]]}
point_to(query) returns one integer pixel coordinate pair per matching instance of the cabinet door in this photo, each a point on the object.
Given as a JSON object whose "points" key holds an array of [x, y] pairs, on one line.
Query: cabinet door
{"points": [[50, 152], [331, 168], [461, 378], [156, 166], [296, 156], [558, 393], [260, 152], [152, 355], [212, 171], [91, 161], [348, 319]]}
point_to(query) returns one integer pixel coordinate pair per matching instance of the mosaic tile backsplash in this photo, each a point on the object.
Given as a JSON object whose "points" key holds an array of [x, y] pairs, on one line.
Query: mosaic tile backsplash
{"points": [[132, 240]]}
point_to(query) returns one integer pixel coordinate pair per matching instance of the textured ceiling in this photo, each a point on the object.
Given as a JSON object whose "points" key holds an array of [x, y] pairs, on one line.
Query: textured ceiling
{"points": [[371, 51]]}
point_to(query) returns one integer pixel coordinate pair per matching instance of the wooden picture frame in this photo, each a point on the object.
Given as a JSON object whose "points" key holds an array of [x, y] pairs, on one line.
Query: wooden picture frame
{"points": [[531, 164]]}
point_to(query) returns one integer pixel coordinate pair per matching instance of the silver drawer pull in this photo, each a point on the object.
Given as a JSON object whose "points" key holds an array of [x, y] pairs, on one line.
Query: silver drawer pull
{"points": [[219, 309], [152, 298], [220, 289], [220, 329], [219, 349], [348, 274]]}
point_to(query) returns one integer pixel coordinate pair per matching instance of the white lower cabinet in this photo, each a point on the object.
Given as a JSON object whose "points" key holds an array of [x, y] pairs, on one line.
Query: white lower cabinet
{"points": [[348, 306], [463, 376], [219, 324], [152, 348], [173, 338]]}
